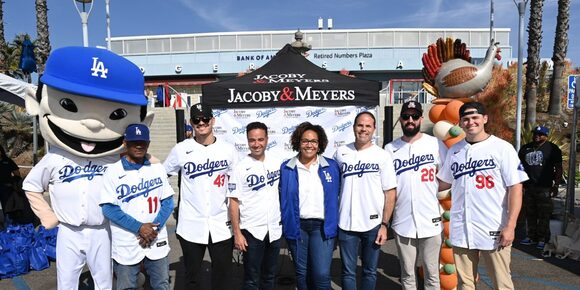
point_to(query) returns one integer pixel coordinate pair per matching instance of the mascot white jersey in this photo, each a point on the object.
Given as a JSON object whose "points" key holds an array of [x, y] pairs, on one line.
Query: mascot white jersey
{"points": [[85, 100]]}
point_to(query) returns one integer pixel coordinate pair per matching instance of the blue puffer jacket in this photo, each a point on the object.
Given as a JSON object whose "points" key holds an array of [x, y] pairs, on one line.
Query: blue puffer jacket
{"points": [[329, 174]]}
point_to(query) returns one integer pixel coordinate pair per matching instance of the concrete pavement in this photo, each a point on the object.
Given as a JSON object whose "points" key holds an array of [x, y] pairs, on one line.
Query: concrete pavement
{"points": [[529, 269]]}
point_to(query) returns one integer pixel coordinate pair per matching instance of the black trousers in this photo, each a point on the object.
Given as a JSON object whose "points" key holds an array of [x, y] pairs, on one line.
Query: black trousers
{"points": [[221, 262]]}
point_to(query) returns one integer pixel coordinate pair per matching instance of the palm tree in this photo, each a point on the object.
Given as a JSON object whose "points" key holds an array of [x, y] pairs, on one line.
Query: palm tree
{"points": [[42, 48], [3, 66], [533, 62], [17, 130], [559, 57]]}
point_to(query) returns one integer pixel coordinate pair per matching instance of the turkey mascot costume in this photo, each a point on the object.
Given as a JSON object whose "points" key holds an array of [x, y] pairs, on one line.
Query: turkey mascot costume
{"points": [[85, 100]]}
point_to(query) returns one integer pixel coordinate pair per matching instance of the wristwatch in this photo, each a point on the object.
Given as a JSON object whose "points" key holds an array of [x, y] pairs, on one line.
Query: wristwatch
{"points": [[385, 224]]}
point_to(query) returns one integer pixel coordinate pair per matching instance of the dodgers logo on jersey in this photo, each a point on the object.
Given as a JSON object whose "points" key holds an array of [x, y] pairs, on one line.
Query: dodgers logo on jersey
{"points": [[256, 182], [126, 192], [194, 170], [414, 162], [471, 167], [358, 169], [69, 173]]}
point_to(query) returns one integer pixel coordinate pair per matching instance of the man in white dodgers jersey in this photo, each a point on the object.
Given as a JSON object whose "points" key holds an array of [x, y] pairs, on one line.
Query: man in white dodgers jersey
{"points": [[485, 176], [417, 219], [366, 202], [85, 100], [205, 163], [137, 198], [255, 210]]}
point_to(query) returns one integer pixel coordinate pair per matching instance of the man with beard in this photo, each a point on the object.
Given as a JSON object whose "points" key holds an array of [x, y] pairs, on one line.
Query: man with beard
{"points": [[542, 161], [417, 220]]}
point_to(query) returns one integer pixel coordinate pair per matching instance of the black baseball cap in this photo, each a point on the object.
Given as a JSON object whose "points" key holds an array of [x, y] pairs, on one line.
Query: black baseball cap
{"points": [[200, 111], [412, 105], [479, 109]]}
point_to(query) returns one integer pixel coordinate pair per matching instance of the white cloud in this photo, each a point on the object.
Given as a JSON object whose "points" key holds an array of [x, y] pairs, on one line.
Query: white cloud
{"points": [[219, 14]]}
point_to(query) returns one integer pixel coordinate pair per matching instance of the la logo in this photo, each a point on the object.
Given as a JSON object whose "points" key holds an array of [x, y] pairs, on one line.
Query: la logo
{"points": [[137, 132], [99, 67]]}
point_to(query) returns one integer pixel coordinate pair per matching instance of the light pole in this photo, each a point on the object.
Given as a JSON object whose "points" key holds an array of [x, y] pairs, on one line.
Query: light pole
{"points": [[108, 25], [84, 17], [521, 5], [491, 21]]}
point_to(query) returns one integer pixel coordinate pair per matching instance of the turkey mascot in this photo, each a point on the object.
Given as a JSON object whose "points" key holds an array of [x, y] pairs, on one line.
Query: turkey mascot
{"points": [[84, 101]]}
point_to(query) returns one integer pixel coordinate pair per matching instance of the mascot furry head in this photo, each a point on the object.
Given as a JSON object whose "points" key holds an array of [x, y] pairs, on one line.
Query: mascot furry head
{"points": [[85, 100]]}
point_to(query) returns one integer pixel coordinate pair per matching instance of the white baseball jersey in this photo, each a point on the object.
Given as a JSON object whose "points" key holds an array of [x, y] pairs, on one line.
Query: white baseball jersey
{"points": [[417, 212], [480, 174], [139, 194], [73, 183], [204, 180], [365, 175], [255, 184]]}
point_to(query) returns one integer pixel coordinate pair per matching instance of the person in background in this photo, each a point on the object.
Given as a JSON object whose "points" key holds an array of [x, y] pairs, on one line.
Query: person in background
{"points": [[485, 177], [367, 200], [137, 198], [188, 131], [542, 162], [9, 182], [309, 189], [417, 220], [255, 210]]}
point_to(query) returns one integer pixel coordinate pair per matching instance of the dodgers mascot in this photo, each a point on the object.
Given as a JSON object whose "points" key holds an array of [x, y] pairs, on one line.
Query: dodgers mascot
{"points": [[84, 101]]}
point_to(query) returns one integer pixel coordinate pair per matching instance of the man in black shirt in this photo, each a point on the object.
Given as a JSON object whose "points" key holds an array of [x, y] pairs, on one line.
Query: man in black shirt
{"points": [[542, 162]]}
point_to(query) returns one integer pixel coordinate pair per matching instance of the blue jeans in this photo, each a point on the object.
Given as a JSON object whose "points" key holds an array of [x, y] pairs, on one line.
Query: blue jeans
{"points": [[312, 255], [158, 271], [349, 244], [260, 262]]}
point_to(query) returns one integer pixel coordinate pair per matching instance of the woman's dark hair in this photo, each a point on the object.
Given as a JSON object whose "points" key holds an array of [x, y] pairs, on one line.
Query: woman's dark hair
{"points": [[303, 127], [2, 153]]}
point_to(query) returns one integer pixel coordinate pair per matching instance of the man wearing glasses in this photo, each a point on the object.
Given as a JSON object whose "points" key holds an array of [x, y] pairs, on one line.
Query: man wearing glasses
{"points": [[417, 221], [205, 164], [366, 202]]}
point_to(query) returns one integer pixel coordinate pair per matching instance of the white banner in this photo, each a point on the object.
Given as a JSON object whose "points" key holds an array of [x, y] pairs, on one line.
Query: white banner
{"points": [[337, 122]]}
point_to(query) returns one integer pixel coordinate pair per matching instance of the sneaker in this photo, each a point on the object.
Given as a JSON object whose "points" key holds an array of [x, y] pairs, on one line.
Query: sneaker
{"points": [[527, 242], [541, 245]]}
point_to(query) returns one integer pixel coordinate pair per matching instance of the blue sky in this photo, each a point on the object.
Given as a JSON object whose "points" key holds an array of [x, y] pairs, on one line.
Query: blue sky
{"points": [[149, 17]]}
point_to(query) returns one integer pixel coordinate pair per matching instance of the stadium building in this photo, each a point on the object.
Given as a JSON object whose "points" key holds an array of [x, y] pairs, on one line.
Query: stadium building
{"points": [[390, 56]]}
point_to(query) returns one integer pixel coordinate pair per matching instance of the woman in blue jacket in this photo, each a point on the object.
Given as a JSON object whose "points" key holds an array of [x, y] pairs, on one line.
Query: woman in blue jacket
{"points": [[309, 189]]}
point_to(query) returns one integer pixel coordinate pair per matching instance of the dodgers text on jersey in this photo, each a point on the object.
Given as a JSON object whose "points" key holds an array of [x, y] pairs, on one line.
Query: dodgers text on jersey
{"points": [[414, 162], [471, 167], [69, 173], [126, 192], [358, 169], [209, 167], [255, 182]]}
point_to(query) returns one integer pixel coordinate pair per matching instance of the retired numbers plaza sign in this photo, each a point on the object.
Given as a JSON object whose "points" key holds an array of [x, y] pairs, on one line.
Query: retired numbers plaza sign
{"points": [[291, 80]]}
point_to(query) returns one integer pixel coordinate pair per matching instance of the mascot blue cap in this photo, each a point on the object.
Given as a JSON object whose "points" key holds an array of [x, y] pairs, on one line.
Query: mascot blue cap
{"points": [[95, 72]]}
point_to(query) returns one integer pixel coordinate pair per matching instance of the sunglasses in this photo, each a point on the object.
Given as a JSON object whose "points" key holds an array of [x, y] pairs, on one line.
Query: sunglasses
{"points": [[407, 116], [198, 120]]}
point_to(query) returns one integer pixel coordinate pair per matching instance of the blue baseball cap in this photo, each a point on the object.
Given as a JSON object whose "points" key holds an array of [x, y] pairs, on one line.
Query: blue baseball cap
{"points": [[136, 132], [541, 130], [95, 72]]}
